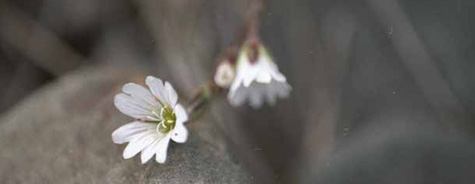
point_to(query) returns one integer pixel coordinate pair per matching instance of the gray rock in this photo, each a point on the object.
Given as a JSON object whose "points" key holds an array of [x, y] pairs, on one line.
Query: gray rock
{"points": [[62, 134]]}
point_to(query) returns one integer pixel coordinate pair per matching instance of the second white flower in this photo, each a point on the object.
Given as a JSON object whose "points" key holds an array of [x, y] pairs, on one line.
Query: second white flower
{"points": [[258, 78]]}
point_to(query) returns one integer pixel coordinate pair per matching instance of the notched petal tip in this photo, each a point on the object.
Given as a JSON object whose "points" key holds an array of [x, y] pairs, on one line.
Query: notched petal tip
{"points": [[117, 99], [121, 101], [161, 156], [128, 86], [151, 78], [138, 144], [117, 137], [131, 106], [146, 155]]}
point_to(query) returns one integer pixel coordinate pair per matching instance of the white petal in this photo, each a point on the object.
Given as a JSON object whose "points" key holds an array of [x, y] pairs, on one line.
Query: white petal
{"points": [[132, 107], [273, 70], [236, 84], [238, 96], [140, 93], [284, 90], [246, 72], [271, 95], [138, 144], [278, 76], [255, 98], [264, 77], [157, 88], [180, 113], [162, 149], [271, 66], [172, 96], [251, 73], [127, 132], [149, 151], [179, 133]]}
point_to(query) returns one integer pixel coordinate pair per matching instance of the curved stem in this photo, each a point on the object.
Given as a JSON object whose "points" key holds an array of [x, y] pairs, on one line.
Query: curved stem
{"points": [[201, 100]]}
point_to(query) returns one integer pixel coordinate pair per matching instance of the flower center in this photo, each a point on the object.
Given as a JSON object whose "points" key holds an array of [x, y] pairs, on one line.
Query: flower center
{"points": [[168, 120]]}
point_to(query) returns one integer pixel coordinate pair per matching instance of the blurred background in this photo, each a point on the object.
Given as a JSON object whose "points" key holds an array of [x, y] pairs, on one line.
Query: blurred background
{"points": [[383, 91]]}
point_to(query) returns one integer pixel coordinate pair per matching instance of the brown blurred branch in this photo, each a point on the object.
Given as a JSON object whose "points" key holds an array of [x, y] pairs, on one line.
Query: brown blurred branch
{"points": [[35, 41]]}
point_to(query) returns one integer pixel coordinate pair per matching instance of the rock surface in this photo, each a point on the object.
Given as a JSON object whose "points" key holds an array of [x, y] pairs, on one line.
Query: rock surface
{"points": [[62, 134]]}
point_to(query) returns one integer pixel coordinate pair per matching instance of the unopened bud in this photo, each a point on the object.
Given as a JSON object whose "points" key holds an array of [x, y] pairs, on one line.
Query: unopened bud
{"points": [[224, 75]]}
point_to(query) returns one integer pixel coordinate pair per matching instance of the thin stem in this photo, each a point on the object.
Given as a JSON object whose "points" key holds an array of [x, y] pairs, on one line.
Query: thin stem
{"points": [[201, 100]]}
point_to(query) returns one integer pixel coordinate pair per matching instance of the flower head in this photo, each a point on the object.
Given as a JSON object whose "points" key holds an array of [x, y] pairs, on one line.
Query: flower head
{"points": [[258, 78], [158, 118]]}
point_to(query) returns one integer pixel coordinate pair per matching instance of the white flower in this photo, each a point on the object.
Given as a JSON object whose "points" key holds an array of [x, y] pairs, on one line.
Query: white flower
{"points": [[224, 75], [258, 79], [159, 118]]}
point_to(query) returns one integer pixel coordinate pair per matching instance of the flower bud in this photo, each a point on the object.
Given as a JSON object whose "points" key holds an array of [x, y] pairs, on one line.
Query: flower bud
{"points": [[224, 75]]}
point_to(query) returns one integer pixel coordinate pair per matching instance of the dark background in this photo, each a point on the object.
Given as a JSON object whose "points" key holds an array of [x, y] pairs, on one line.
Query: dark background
{"points": [[383, 90]]}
